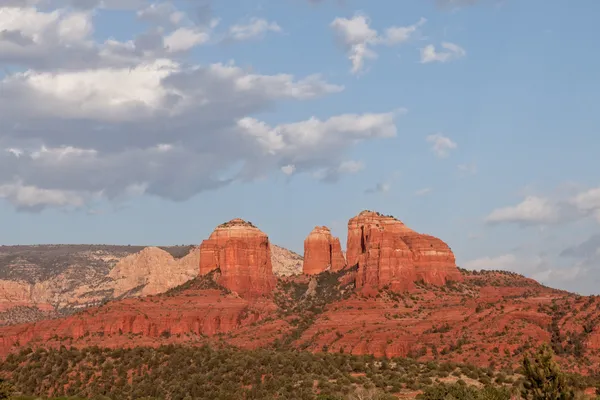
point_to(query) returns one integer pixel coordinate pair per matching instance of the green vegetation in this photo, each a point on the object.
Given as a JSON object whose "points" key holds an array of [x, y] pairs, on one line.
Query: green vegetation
{"points": [[307, 301], [464, 392], [543, 378], [181, 373], [178, 372]]}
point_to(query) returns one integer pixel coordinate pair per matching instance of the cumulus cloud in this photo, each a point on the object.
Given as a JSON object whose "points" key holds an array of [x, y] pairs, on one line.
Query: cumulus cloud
{"points": [[441, 145], [358, 39], [588, 202], [306, 144], [32, 37], [162, 14], [543, 269], [60, 39], [32, 198], [333, 174], [538, 210], [450, 52], [256, 28], [532, 210], [141, 122], [83, 121]]}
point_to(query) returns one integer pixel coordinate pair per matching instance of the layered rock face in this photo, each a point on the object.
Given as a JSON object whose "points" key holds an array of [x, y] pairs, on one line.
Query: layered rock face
{"points": [[390, 254], [242, 252], [322, 252]]}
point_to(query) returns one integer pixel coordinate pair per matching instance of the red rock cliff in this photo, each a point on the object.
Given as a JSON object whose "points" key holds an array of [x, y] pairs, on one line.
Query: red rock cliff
{"points": [[322, 252], [388, 253], [243, 254]]}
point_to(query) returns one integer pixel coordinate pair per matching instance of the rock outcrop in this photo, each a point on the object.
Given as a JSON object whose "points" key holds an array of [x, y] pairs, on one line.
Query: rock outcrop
{"points": [[67, 277], [285, 262], [192, 314], [322, 252], [242, 252], [390, 254], [152, 271]]}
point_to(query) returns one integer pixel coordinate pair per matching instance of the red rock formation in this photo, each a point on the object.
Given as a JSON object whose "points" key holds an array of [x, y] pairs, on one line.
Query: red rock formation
{"points": [[388, 253], [322, 252], [243, 254], [152, 320]]}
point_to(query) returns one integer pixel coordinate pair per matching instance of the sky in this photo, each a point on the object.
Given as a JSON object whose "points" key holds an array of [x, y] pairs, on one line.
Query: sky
{"points": [[151, 122]]}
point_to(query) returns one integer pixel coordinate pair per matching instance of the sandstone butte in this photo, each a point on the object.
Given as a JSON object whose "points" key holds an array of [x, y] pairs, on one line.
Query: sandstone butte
{"points": [[390, 254], [242, 253], [476, 317], [322, 252]]}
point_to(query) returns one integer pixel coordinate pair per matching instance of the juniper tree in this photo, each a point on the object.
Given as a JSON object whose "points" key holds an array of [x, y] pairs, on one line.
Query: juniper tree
{"points": [[543, 377]]}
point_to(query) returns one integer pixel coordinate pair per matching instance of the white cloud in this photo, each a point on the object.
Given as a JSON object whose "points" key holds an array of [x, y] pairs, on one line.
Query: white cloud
{"points": [[441, 145], [358, 38], [302, 143], [332, 174], [561, 275], [351, 167], [32, 198], [256, 28], [288, 169], [451, 52], [532, 210], [165, 14], [108, 94], [84, 121], [539, 268], [400, 34], [169, 130], [30, 36], [588, 200], [184, 39], [537, 210]]}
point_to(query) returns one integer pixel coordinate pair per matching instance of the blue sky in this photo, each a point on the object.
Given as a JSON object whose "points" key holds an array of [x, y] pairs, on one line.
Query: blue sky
{"points": [[151, 122]]}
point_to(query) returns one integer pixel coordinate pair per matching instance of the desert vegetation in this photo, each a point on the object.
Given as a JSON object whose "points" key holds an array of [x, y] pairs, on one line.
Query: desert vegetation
{"points": [[180, 373]]}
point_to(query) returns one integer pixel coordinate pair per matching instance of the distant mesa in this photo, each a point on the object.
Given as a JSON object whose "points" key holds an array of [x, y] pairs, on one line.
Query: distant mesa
{"points": [[322, 252], [390, 254], [242, 253]]}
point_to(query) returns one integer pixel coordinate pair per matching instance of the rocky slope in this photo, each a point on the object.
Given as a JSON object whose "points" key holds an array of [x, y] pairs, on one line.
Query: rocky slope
{"points": [[490, 318], [285, 262], [418, 304], [48, 281]]}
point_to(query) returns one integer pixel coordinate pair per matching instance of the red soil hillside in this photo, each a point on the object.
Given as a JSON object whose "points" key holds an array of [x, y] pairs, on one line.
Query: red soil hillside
{"points": [[485, 318]]}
